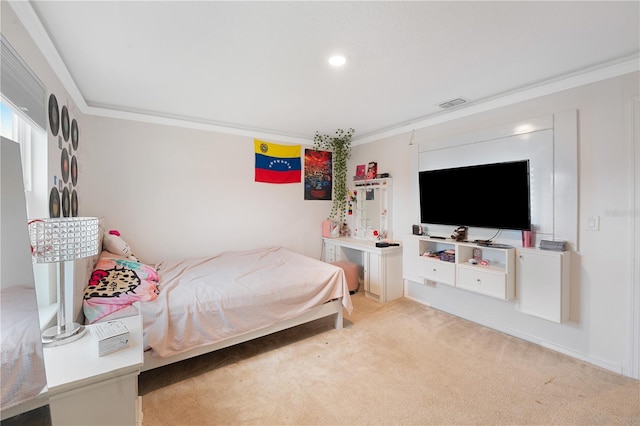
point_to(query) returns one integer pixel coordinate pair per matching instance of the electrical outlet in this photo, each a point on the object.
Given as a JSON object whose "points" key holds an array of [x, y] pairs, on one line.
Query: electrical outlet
{"points": [[593, 223]]}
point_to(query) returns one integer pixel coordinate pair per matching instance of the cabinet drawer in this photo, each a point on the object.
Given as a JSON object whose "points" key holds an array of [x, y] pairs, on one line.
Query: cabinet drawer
{"points": [[437, 270], [330, 253], [485, 282]]}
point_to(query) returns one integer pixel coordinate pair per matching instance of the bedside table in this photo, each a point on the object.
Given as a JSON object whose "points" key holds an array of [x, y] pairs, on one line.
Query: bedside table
{"points": [[85, 389]]}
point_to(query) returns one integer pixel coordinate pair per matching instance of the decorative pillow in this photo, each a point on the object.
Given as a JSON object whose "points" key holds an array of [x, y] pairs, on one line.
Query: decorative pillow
{"points": [[117, 282]]}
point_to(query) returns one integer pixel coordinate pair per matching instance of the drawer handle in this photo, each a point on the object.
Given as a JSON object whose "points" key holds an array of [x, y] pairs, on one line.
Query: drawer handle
{"points": [[479, 281]]}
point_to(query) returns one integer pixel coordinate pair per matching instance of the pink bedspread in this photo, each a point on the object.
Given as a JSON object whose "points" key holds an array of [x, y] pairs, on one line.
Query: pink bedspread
{"points": [[205, 300]]}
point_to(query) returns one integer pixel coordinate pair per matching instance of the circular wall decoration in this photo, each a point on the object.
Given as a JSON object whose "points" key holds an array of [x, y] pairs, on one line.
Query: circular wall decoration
{"points": [[74, 170], [74, 203], [74, 134], [64, 165], [54, 115], [66, 202], [54, 203], [65, 123]]}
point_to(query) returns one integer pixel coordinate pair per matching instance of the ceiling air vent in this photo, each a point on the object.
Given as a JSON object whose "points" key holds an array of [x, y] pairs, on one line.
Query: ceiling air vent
{"points": [[452, 103]]}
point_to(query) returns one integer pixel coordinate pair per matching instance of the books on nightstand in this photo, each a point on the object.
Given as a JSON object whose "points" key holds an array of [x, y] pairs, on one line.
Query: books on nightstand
{"points": [[111, 336]]}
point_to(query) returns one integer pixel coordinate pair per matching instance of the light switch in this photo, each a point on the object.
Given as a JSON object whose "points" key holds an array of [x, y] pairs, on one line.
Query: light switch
{"points": [[593, 223]]}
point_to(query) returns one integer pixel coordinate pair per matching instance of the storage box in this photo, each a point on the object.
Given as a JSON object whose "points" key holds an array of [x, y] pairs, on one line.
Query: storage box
{"points": [[111, 336]]}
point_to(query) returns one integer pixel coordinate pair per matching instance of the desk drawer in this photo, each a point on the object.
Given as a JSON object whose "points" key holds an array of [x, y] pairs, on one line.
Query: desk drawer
{"points": [[330, 253]]}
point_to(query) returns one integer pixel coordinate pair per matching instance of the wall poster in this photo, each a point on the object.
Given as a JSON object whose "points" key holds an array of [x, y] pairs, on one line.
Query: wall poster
{"points": [[318, 174]]}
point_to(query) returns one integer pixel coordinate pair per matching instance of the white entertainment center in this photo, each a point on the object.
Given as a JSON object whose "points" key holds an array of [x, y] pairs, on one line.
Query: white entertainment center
{"points": [[539, 280], [516, 283]]}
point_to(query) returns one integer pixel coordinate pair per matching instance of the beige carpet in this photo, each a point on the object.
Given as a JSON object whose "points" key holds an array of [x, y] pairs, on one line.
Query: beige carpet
{"points": [[399, 363]]}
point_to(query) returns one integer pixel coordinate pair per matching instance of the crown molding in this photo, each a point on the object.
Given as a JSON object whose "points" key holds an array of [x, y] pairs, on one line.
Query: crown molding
{"points": [[605, 71]]}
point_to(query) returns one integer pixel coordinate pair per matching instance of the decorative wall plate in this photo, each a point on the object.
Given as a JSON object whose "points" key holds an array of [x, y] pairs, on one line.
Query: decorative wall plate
{"points": [[74, 134], [74, 203], [65, 123], [54, 115], [66, 202], [54, 203], [64, 165], [74, 171]]}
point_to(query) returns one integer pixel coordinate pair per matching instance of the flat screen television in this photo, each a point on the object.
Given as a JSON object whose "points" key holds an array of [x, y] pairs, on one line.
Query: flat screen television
{"points": [[487, 196]]}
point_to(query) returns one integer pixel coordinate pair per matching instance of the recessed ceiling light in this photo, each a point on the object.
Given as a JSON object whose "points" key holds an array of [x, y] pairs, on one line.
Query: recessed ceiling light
{"points": [[337, 60]]}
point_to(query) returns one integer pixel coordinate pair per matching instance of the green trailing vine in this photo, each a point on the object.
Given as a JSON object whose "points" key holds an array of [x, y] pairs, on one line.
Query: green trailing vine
{"points": [[340, 146]]}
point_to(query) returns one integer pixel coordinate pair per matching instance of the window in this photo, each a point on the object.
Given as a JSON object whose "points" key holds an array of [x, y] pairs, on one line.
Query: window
{"points": [[22, 119]]}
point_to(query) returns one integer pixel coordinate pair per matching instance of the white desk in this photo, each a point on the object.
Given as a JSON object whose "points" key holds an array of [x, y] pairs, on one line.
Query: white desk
{"points": [[85, 389], [381, 266]]}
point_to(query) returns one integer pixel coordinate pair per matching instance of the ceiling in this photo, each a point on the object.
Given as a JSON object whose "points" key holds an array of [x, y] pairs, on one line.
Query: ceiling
{"points": [[262, 66]]}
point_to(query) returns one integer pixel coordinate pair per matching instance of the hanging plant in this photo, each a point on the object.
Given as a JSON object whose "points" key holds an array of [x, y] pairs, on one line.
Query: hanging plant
{"points": [[340, 146]]}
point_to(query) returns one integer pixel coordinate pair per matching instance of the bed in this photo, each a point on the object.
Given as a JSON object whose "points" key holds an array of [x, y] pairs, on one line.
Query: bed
{"points": [[196, 305], [23, 373]]}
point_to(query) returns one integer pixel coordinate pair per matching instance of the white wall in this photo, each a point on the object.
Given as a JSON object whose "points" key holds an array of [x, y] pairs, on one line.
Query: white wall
{"points": [[599, 329], [176, 192]]}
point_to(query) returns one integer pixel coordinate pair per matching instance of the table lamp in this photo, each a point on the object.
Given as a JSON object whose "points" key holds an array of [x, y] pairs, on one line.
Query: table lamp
{"points": [[59, 240]]}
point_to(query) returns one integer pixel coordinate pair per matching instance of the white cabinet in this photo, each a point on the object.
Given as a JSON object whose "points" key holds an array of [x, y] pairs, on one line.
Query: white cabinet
{"points": [[410, 267], [383, 275], [447, 262], [373, 274], [543, 283], [381, 268], [85, 389], [330, 253]]}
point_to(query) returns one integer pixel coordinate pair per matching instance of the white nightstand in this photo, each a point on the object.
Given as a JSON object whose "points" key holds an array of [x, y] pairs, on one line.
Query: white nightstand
{"points": [[85, 389]]}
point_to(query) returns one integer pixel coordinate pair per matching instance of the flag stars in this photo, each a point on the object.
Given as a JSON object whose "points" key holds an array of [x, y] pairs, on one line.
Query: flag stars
{"points": [[279, 162]]}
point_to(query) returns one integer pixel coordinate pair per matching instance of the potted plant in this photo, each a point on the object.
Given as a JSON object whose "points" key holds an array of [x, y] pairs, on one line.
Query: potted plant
{"points": [[340, 146]]}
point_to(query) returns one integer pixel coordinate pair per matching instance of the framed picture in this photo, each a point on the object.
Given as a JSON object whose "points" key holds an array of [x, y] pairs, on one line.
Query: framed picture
{"points": [[318, 175], [372, 170]]}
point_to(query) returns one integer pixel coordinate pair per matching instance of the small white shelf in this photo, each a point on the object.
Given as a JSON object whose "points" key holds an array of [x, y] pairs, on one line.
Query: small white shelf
{"points": [[496, 279]]}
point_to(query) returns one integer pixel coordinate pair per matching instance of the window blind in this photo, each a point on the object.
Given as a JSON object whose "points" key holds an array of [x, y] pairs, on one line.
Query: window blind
{"points": [[20, 86]]}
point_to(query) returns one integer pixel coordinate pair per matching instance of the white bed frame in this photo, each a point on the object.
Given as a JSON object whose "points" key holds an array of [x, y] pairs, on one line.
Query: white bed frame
{"points": [[333, 307]]}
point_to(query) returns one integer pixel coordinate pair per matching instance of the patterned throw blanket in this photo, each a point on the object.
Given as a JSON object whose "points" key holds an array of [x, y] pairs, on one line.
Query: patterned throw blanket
{"points": [[115, 284]]}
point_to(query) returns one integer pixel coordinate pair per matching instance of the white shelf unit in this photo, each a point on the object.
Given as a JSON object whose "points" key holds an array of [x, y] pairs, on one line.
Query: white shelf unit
{"points": [[497, 279]]}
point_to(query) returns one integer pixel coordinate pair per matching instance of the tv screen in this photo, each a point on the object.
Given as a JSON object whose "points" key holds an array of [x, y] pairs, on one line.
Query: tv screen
{"points": [[487, 196]]}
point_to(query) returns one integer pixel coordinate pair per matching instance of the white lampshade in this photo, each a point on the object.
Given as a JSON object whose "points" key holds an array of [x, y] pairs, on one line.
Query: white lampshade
{"points": [[62, 239]]}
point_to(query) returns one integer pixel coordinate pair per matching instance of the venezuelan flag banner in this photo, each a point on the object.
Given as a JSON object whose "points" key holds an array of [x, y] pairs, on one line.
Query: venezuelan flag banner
{"points": [[277, 163]]}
